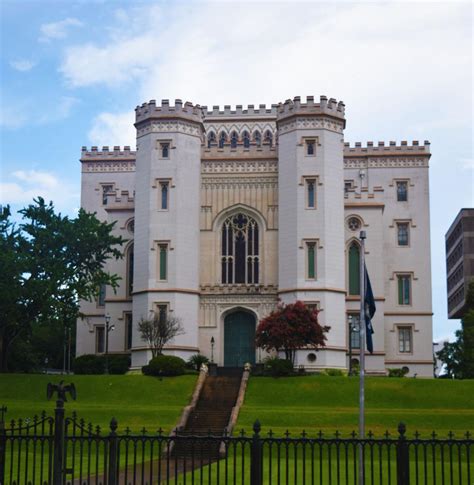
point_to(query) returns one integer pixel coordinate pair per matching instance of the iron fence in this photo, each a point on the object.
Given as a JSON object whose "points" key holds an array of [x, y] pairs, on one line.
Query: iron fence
{"points": [[63, 450]]}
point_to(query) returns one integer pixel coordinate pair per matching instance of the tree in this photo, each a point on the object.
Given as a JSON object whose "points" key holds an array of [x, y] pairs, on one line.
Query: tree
{"points": [[158, 330], [458, 356], [49, 263], [289, 328]]}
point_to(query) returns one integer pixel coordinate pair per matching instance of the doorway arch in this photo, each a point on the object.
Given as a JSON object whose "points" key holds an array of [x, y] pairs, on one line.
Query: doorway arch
{"points": [[239, 338]]}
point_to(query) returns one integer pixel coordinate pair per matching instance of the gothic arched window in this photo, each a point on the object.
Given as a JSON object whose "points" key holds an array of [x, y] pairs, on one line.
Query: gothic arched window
{"points": [[222, 139], [233, 139], [246, 137], [240, 250], [354, 269], [268, 138], [257, 136], [211, 139]]}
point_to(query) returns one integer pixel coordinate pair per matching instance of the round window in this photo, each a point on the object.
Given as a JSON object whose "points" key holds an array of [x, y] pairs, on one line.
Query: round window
{"points": [[353, 224], [311, 357], [131, 226]]}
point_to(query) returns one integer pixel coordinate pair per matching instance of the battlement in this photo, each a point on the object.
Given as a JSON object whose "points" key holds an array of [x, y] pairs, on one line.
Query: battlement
{"points": [[392, 148], [250, 111], [326, 106], [106, 154], [151, 110], [119, 200]]}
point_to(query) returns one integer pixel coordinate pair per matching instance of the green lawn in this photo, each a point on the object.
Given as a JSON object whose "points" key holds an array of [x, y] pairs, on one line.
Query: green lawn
{"points": [[134, 400], [331, 403]]}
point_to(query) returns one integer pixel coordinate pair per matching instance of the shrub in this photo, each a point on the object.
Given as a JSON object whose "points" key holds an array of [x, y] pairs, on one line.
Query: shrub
{"points": [[334, 372], [196, 360], [119, 363], [276, 367], [397, 372], [165, 365], [89, 364]]}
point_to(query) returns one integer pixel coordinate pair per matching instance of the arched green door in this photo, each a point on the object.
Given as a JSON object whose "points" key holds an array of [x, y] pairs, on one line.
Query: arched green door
{"points": [[239, 339]]}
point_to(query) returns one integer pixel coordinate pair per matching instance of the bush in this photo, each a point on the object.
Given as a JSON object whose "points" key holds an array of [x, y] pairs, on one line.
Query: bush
{"points": [[165, 365], [397, 372], [195, 361], [89, 364], [334, 372], [119, 363], [276, 367]]}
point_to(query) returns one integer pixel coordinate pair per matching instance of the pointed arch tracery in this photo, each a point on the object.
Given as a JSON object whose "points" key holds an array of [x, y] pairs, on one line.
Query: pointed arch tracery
{"points": [[222, 139], [240, 250]]}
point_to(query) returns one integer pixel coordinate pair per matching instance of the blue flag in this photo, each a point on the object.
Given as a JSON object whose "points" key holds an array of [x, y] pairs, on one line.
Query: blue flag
{"points": [[369, 303]]}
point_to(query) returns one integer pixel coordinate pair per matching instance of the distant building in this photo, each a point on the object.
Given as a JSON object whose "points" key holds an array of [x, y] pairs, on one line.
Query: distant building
{"points": [[459, 261], [227, 212]]}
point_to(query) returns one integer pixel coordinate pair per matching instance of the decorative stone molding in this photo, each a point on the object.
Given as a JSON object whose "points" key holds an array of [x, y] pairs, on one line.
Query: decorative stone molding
{"points": [[386, 162], [302, 123], [109, 166], [241, 182], [240, 166], [171, 126]]}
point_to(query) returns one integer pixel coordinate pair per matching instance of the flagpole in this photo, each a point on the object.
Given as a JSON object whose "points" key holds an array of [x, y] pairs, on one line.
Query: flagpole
{"points": [[362, 331]]}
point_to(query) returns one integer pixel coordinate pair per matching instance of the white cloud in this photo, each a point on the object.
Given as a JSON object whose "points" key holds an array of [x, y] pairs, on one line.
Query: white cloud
{"points": [[113, 129], [58, 30], [22, 65], [22, 186]]}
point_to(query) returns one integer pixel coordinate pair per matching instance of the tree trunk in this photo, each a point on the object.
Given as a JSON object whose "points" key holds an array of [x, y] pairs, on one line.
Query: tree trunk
{"points": [[4, 344]]}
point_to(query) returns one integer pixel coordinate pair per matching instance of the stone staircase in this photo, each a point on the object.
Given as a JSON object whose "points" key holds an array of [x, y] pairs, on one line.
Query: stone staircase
{"points": [[210, 416]]}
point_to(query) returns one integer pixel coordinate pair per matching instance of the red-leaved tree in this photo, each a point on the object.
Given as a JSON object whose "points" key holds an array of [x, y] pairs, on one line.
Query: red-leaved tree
{"points": [[289, 328]]}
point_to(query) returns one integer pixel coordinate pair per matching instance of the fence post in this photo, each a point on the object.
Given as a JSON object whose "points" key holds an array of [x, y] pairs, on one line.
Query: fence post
{"points": [[256, 456], [3, 443], [58, 467], [113, 449], [403, 458]]}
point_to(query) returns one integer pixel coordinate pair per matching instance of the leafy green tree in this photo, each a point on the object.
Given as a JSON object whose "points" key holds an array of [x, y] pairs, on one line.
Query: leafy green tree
{"points": [[49, 263]]}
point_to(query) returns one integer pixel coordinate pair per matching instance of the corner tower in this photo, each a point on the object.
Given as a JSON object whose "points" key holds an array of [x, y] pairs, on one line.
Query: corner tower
{"points": [[311, 214], [167, 209]]}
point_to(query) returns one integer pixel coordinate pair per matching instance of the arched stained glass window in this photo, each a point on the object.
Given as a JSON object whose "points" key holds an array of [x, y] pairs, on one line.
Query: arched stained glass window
{"points": [[269, 138], [246, 138], [233, 139], [240, 250], [354, 269], [211, 139], [257, 136], [222, 139]]}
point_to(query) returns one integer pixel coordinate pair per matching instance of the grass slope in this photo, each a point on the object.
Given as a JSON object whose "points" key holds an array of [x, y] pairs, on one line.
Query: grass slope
{"points": [[331, 403], [136, 401]]}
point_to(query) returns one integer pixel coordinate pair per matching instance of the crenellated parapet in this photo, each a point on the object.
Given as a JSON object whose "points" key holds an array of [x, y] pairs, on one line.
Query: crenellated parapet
{"points": [[391, 148], [152, 111], [240, 112], [107, 160], [121, 200]]}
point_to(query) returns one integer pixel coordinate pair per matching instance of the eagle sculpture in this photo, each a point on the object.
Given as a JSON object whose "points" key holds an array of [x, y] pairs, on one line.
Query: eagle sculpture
{"points": [[61, 389]]}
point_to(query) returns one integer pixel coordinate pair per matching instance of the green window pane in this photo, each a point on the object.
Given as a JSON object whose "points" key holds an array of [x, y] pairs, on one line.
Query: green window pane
{"points": [[400, 291], [311, 261], [354, 270], [163, 262]]}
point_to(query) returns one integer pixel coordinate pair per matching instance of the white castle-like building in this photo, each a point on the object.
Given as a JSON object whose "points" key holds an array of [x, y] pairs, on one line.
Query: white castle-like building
{"points": [[227, 212]]}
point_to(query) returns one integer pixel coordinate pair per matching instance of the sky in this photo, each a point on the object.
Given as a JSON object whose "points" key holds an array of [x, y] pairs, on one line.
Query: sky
{"points": [[72, 73]]}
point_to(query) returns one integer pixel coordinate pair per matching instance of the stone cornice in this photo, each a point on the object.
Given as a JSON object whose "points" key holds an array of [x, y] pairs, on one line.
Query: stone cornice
{"points": [[172, 125], [108, 166], [301, 122], [391, 161], [240, 166]]}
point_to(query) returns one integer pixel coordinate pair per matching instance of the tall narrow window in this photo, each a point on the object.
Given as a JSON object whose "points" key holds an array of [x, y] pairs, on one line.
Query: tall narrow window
{"points": [[258, 138], [222, 139], [211, 139], [165, 150], [99, 340], [101, 297], [130, 270], [310, 147], [162, 311], [354, 330], [404, 290], [240, 250], [106, 190], [163, 255], [246, 138], [164, 188], [128, 331], [233, 139], [354, 269], [402, 191], [402, 233], [311, 260], [310, 193], [269, 138], [405, 339]]}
